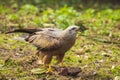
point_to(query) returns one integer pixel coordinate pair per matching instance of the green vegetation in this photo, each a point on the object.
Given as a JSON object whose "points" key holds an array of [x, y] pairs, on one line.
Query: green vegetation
{"points": [[97, 50]]}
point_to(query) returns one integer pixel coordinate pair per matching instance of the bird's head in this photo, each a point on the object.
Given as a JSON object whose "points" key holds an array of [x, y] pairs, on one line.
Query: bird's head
{"points": [[74, 29]]}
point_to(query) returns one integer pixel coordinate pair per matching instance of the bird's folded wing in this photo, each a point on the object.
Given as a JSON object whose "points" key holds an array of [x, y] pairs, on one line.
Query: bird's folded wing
{"points": [[44, 41]]}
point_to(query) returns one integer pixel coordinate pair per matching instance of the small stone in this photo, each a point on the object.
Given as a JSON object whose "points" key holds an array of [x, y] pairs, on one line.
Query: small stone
{"points": [[63, 71], [74, 71], [80, 61]]}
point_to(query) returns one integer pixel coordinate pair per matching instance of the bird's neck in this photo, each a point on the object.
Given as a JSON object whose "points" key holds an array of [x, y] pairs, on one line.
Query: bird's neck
{"points": [[67, 35]]}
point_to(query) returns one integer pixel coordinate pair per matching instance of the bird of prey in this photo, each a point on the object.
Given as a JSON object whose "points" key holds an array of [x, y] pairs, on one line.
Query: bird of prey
{"points": [[51, 41]]}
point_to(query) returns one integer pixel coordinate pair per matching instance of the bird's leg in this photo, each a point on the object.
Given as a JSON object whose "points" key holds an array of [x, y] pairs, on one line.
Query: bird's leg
{"points": [[60, 59], [49, 69], [46, 60], [39, 56], [62, 64]]}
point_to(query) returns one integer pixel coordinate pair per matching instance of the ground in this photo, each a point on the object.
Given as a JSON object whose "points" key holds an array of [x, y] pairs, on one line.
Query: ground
{"points": [[95, 55]]}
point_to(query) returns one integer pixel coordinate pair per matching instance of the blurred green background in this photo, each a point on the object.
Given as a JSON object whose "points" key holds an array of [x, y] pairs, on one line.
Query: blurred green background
{"points": [[100, 45]]}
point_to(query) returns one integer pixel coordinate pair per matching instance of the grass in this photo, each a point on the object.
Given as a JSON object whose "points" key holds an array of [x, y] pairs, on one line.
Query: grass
{"points": [[97, 50]]}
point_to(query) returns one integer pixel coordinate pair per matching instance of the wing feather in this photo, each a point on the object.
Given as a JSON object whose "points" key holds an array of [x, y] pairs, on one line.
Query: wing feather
{"points": [[45, 41]]}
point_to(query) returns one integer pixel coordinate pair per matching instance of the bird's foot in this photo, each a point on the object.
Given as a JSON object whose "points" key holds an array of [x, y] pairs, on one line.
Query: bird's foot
{"points": [[39, 62], [50, 69], [63, 64]]}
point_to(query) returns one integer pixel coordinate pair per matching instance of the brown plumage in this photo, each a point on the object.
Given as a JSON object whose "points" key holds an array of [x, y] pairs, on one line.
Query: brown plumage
{"points": [[51, 41]]}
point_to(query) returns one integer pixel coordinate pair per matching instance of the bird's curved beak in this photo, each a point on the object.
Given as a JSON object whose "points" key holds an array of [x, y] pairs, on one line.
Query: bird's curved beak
{"points": [[82, 28], [78, 29]]}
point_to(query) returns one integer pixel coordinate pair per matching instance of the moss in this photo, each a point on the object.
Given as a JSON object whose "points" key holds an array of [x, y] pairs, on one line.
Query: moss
{"points": [[96, 50]]}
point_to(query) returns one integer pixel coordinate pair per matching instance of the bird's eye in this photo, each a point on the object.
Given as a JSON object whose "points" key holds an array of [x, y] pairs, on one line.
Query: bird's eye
{"points": [[73, 28], [50, 29]]}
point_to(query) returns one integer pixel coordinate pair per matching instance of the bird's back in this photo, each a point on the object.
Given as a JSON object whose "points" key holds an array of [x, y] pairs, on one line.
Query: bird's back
{"points": [[51, 40], [48, 40]]}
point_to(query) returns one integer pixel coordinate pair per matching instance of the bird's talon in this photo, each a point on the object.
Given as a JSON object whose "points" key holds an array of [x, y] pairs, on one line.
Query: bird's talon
{"points": [[39, 62], [62, 64], [50, 69]]}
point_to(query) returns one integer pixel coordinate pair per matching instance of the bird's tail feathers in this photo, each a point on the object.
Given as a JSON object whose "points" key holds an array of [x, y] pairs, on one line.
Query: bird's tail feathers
{"points": [[30, 31]]}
